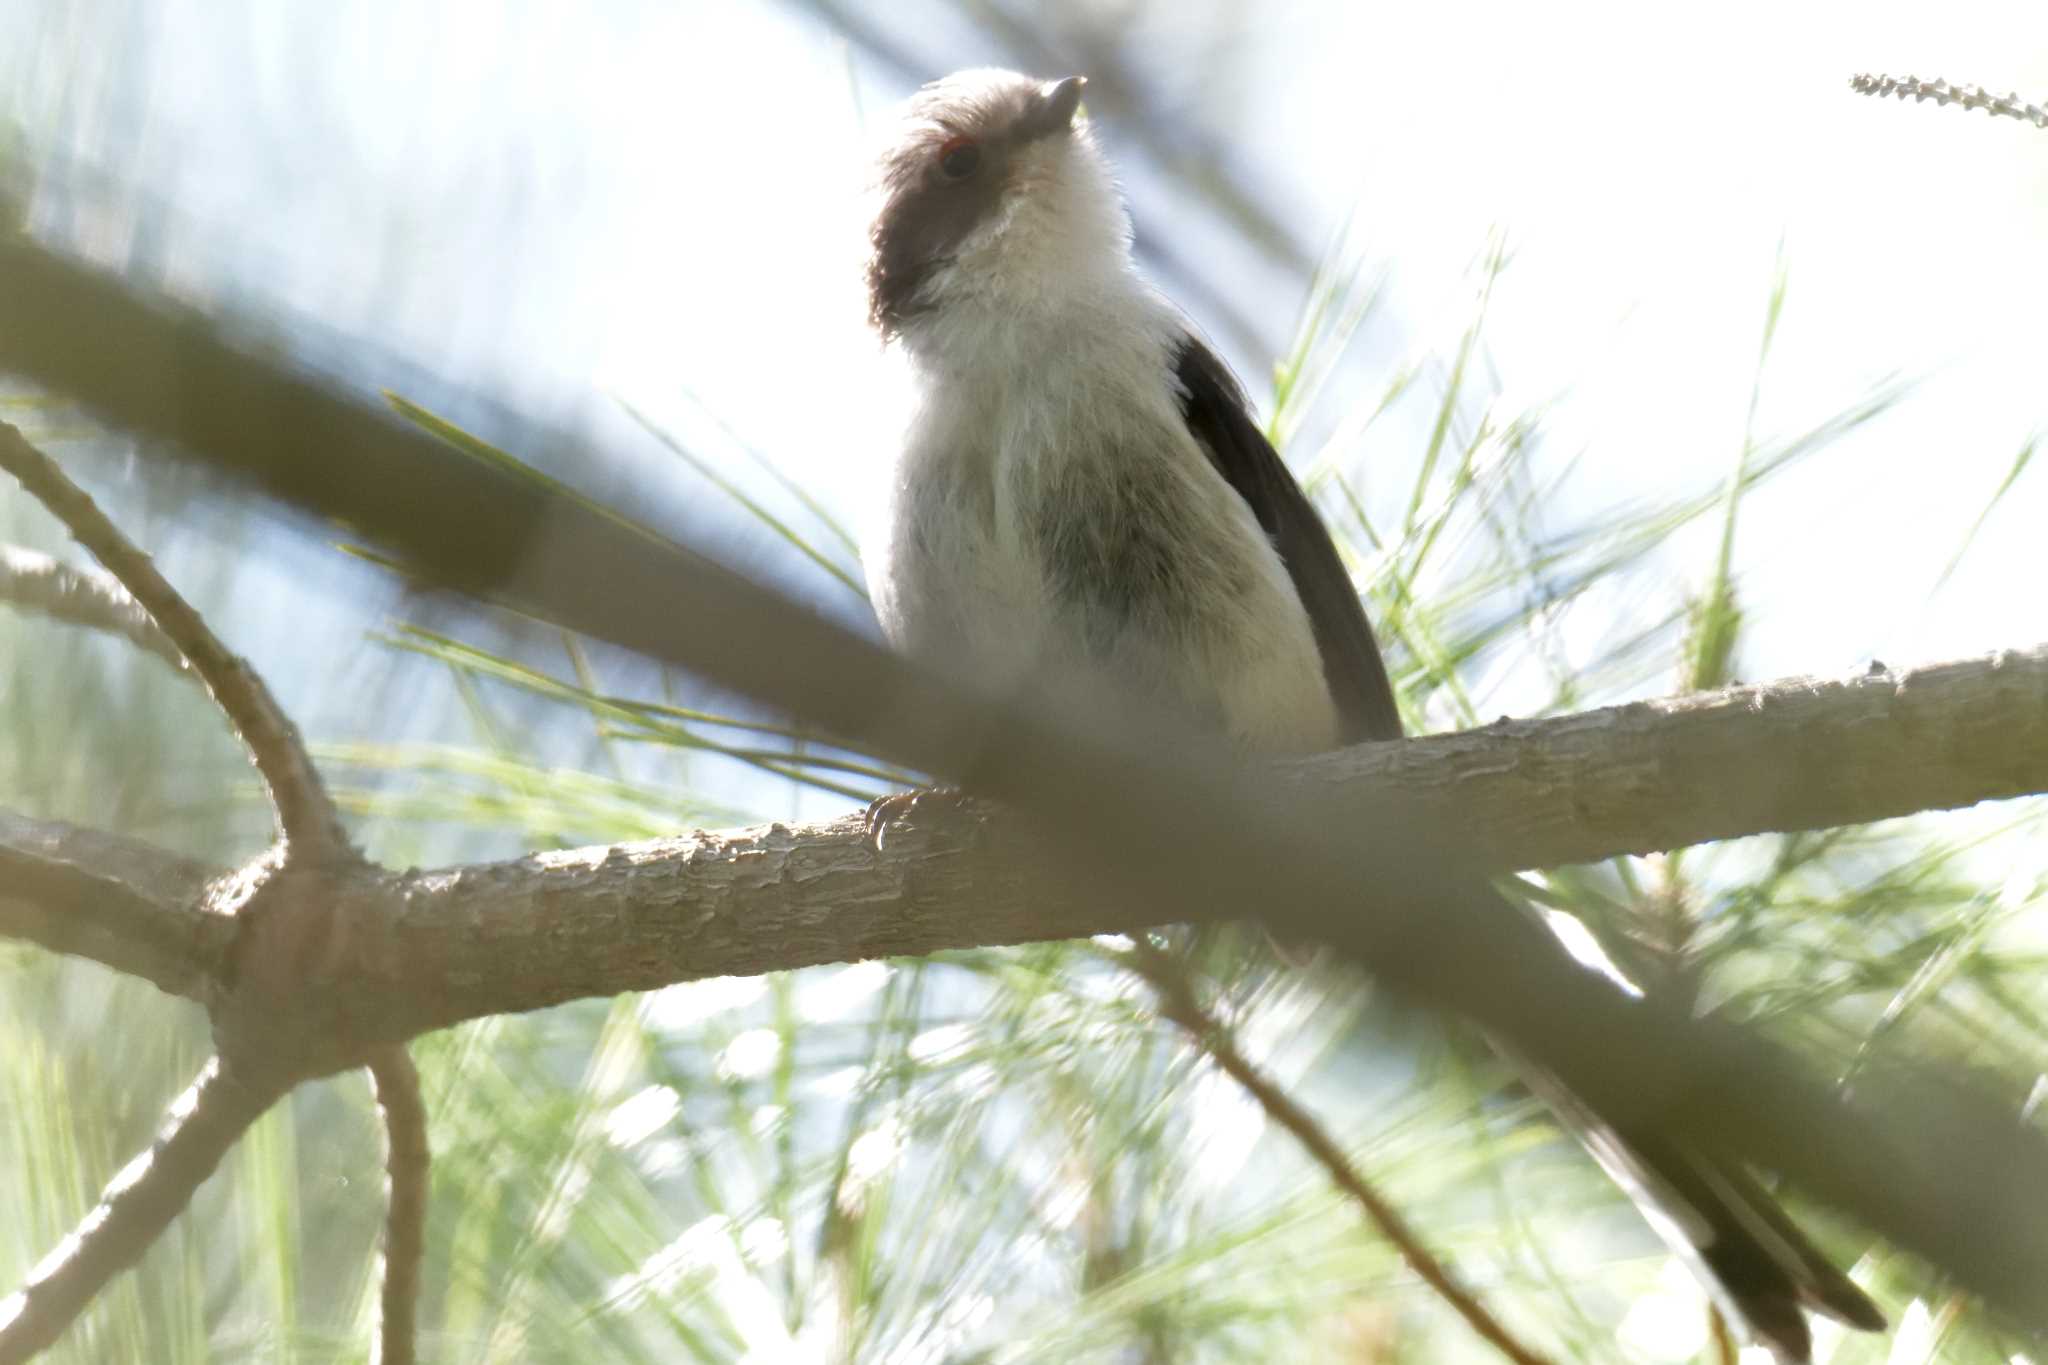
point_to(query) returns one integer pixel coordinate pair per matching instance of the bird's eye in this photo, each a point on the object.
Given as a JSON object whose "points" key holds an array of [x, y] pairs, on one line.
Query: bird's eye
{"points": [[958, 158]]}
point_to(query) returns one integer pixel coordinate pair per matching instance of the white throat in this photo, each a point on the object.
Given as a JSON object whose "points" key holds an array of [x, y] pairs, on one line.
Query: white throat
{"points": [[1054, 258]]}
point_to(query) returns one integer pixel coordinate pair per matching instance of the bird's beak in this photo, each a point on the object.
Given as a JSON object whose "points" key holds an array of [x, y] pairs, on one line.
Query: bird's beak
{"points": [[1062, 98]]}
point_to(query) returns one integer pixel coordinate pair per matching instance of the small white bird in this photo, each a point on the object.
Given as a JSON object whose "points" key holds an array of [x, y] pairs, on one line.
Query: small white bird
{"points": [[1083, 487]]}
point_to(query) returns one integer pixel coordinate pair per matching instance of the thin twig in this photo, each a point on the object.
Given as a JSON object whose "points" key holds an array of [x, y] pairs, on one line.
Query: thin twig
{"points": [[203, 1123], [1941, 92], [305, 812], [80, 597], [407, 1160], [113, 901], [1177, 1002], [1726, 1352], [215, 1112]]}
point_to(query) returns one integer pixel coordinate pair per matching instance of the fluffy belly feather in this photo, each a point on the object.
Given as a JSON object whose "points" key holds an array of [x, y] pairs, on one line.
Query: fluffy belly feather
{"points": [[1136, 565]]}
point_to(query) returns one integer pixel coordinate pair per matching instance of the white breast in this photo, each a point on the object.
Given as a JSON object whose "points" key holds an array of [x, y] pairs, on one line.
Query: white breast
{"points": [[1050, 511]]}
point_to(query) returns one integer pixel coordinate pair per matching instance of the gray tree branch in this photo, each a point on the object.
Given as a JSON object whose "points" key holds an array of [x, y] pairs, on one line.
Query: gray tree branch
{"points": [[461, 943], [213, 1114], [204, 1122], [407, 1161], [116, 901], [1798, 754], [1794, 754], [48, 587], [1139, 823], [305, 812], [407, 952]]}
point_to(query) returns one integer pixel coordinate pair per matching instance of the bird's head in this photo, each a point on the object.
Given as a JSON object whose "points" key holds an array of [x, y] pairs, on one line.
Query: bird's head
{"points": [[989, 190]]}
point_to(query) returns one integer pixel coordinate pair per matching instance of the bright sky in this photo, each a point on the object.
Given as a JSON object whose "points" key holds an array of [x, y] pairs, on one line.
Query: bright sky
{"points": [[1644, 162], [551, 202]]}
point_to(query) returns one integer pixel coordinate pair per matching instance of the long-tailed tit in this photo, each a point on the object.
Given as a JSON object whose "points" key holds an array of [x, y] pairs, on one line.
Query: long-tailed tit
{"points": [[1083, 485]]}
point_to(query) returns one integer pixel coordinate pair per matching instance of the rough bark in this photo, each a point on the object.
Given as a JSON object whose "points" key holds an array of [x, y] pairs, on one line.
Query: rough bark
{"points": [[460, 943], [117, 901], [1795, 754]]}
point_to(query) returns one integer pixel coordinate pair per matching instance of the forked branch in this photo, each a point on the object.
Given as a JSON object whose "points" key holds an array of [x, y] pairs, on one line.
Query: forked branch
{"points": [[35, 582], [305, 812], [123, 904], [75, 908], [138, 1204]]}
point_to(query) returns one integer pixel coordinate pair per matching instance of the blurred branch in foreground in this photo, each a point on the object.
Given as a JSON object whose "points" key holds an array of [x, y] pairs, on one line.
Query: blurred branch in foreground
{"points": [[1141, 819]]}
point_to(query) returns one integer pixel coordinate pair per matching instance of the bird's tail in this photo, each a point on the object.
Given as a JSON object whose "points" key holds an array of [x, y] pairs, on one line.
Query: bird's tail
{"points": [[1761, 1270]]}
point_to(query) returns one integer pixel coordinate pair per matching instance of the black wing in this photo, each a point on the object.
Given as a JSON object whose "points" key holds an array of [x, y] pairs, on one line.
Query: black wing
{"points": [[1764, 1267], [1221, 421], [1761, 1264]]}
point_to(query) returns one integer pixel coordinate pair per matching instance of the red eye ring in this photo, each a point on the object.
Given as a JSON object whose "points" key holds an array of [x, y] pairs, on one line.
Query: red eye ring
{"points": [[958, 157]]}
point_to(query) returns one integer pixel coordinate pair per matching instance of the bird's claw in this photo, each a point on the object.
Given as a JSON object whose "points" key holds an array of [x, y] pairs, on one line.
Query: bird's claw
{"points": [[884, 810]]}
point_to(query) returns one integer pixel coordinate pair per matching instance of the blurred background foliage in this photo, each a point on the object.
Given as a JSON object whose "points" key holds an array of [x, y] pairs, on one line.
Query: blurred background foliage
{"points": [[579, 216]]}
